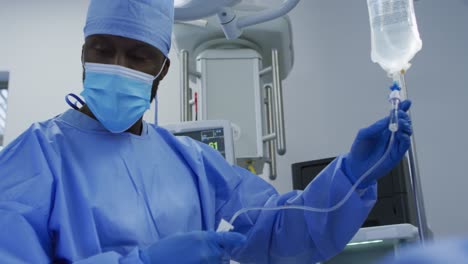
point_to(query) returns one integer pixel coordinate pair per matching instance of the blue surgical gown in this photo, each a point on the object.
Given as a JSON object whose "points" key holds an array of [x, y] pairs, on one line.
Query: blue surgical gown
{"points": [[71, 191]]}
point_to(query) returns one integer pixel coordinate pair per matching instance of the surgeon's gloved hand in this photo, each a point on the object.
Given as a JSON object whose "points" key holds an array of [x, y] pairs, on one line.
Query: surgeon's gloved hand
{"points": [[370, 145], [193, 248]]}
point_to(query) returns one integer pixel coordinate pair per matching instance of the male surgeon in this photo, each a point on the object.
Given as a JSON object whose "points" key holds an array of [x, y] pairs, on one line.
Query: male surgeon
{"points": [[97, 184]]}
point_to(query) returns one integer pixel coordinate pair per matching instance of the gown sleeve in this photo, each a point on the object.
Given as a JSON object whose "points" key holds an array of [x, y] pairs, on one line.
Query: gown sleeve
{"points": [[288, 236], [26, 186]]}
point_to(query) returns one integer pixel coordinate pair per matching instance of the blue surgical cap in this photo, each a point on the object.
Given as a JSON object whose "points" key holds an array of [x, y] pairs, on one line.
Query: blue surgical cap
{"points": [[149, 21]]}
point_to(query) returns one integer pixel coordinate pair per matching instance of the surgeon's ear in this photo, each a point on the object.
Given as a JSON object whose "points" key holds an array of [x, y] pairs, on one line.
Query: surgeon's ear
{"points": [[82, 62], [82, 55], [167, 65]]}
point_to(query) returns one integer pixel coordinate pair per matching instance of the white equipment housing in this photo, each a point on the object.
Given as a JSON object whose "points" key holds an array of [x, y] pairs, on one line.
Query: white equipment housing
{"points": [[230, 89]]}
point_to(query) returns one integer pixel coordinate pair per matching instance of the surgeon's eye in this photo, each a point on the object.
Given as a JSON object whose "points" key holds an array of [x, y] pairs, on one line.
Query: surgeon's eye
{"points": [[101, 49], [140, 56]]}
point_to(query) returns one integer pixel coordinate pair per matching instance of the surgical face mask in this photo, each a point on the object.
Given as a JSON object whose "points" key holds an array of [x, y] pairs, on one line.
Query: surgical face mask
{"points": [[117, 96]]}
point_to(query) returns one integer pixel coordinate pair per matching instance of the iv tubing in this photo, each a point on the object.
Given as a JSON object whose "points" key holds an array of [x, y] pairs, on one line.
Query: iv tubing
{"points": [[394, 117]]}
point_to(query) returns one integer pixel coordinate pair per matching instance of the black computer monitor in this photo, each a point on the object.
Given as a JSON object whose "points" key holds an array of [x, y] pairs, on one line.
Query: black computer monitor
{"points": [[395, 203]]}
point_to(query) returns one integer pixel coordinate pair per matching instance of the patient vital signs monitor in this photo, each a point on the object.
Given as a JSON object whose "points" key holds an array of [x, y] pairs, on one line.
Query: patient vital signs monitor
{"points": [[215, 133]]}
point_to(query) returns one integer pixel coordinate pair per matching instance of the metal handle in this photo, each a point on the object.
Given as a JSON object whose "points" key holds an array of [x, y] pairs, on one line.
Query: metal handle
{"points": [[415, 176], [184, 87], [270, 129], [278, 99]]}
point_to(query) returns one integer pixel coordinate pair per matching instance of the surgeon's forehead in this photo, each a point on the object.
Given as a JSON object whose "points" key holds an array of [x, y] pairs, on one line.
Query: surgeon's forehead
{"points": [[122, 42]]}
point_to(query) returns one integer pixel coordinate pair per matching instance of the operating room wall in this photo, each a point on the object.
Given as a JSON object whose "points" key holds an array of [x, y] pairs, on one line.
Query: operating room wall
{"points": [[333, 90]]}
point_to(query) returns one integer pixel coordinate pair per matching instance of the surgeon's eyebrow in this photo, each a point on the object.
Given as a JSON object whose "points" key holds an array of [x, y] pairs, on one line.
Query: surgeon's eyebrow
{"points": [[90, 42]]}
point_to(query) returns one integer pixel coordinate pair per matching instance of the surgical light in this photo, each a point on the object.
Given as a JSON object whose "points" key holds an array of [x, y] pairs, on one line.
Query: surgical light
{"points": [[232, 24], [181, 3]]}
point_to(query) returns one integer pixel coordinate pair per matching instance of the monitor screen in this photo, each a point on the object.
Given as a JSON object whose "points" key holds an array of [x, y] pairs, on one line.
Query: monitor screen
{"points": [[213, 137], [304, 172]]}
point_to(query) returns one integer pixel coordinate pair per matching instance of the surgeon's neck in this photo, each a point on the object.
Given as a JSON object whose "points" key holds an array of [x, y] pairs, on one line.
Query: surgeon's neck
{"points": [[136, 129]]}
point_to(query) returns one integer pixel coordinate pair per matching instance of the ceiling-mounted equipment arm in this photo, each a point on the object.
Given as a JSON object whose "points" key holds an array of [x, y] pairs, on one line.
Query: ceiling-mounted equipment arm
{"points": [[188, 10], [233, 26]]}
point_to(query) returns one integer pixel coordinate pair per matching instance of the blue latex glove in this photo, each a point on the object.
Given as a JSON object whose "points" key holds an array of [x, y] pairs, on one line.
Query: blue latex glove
{"points": [[371, 143], [194, 247]]}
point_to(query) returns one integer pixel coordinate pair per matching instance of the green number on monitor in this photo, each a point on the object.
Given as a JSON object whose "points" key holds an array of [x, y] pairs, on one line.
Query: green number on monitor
{"points": [[214, 145]]}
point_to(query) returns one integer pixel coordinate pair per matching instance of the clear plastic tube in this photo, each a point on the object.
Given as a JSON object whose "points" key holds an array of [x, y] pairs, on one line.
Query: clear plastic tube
{"points": [[393, 124], [392, 128], [394, 99]]}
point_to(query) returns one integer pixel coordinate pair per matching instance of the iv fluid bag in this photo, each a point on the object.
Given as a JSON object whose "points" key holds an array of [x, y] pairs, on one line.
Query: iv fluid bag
{"points": [[394, 34]]}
